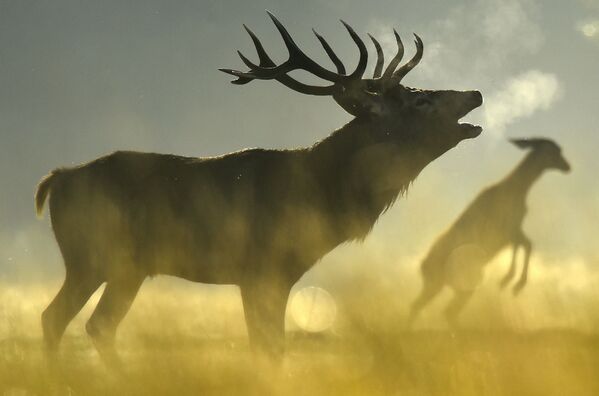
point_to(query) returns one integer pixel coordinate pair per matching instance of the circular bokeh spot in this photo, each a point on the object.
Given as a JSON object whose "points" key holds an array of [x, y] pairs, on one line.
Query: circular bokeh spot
{"points": [[313, 309]]}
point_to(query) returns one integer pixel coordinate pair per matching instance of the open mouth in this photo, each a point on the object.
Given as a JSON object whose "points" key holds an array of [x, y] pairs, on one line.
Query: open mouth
{"points": [[470, 130]]}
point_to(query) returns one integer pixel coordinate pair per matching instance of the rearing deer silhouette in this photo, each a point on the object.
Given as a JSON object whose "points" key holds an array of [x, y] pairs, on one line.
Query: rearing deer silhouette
{"points": [[489, 224], [256, 218]]}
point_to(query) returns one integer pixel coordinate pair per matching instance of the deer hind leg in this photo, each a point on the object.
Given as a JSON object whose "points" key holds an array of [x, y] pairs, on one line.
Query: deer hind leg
{"points": [[430, 289], [524, 275], [456, 305], [74, 293], [110, 311], [512, 271]]}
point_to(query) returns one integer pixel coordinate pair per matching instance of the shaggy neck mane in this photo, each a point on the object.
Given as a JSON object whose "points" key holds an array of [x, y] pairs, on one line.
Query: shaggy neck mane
{"points": [[355, 192]]}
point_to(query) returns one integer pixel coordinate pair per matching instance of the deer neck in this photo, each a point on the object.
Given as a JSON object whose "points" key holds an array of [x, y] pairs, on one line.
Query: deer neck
{"points": [[525, 174], [352, 176]]}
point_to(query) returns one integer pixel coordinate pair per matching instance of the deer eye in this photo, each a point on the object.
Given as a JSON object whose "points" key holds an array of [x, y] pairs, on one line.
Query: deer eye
{"points": [[422, 102]]}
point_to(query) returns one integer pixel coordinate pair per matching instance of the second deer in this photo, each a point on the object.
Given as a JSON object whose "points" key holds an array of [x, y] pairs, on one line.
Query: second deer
{"points": [[492, 222]]}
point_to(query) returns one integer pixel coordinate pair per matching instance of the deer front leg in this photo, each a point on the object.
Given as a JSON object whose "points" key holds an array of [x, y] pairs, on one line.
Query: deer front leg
{"points": [[264, 307], [430, 288], [512, 271], [527, 244]]}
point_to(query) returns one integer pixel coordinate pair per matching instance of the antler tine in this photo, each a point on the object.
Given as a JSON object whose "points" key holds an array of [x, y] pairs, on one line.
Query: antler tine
{"points": [[265, 60], [338, 64], [405, 69], [248, 63], [361, 68], [380, 61], [298, 59], [396, 59]]}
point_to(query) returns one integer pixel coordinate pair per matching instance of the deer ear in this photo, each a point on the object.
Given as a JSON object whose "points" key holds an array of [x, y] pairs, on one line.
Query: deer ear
{"points": [[523, 143], [531, 143]]}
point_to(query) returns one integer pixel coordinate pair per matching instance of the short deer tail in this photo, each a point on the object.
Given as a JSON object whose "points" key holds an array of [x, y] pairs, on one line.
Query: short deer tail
{"points": [[43, 189]]}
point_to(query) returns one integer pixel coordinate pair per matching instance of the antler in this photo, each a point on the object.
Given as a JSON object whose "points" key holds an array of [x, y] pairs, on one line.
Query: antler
{"points": [[349, 90], [338, 64], [268, 70], [380, 61]]}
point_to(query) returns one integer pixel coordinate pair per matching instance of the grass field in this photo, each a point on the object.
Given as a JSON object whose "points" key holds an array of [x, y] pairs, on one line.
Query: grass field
{"points": [[168, 351], [418, 363]]}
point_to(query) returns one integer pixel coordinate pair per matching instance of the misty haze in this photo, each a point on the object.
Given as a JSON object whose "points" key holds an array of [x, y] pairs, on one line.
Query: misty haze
{"points": [[364, 210]]}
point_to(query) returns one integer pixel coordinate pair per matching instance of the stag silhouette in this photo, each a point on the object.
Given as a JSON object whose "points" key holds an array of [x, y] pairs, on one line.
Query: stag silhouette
{"points": [[490, 223], [255, 218]]}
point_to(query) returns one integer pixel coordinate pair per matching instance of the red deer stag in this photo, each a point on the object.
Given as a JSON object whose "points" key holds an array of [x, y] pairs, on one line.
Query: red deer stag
{"points": [[490, 223], [255, 218]]}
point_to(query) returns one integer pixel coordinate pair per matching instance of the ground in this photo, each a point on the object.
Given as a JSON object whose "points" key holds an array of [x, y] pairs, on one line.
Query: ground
{"points": [[557, 362], [187, 339]]}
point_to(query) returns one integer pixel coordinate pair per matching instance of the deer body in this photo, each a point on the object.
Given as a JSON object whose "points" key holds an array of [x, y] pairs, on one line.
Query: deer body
{"points": [[256, 218], [492, 222], [225, 209]]}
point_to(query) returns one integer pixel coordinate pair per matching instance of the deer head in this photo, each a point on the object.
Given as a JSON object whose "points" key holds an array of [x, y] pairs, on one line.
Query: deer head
{"points": [[547, 153], [424, 119]]}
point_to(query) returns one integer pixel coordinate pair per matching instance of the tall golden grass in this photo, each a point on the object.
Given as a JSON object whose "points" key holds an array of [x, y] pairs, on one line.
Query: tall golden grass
{"points": [[186, 339]]}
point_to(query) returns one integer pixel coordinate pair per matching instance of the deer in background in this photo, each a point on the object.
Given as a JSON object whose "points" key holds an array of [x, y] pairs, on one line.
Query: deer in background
{"points": [[490, 223], [255, 218]]}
